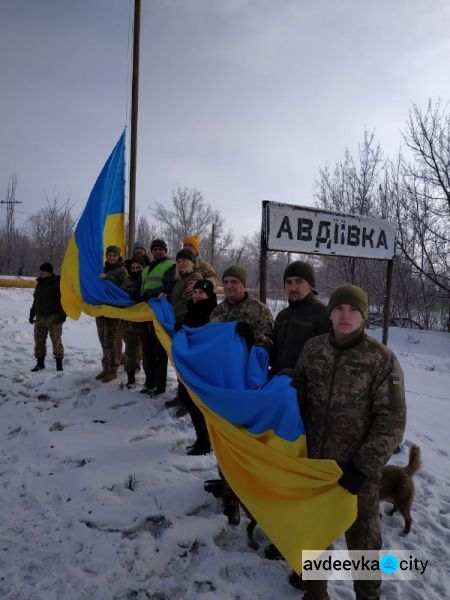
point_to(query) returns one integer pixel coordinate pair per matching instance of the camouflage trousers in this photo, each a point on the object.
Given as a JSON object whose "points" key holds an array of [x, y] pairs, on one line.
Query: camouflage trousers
{"points": [[42, 327], [134, 335], [364, 534], [107, 333]]}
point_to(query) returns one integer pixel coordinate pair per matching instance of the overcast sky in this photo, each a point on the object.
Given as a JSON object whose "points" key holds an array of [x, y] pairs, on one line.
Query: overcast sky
{"points": [[243, 99]]}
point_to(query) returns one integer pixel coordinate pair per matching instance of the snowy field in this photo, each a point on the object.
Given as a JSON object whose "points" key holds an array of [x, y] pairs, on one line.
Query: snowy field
{"points": [[98, 500]]}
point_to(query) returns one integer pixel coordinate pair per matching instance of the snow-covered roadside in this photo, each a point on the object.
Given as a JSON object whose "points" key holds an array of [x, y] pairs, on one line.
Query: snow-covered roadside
{"points": [[71, 449]]}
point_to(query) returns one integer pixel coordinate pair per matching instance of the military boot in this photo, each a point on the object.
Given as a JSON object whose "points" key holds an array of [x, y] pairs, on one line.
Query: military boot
{"points": [[101, 375], [59, 364], [110, 375], [39, 365], [131, 377], [198, 448]]}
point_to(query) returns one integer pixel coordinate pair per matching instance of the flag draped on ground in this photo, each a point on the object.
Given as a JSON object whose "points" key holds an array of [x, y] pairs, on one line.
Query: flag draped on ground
{"points": [[254, 423]]}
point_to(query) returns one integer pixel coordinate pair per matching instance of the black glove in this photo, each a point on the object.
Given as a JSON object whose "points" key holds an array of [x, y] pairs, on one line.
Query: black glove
{"points": [[31, 318], [246, 331], [62, 317], [352, 478], [177, 326], [136, 297]]}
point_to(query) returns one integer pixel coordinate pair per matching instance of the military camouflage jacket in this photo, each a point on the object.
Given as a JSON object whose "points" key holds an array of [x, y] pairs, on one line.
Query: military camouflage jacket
{"points": [[117, 273], [352, 401], [206, 271], [179, 297], [250, 311]]}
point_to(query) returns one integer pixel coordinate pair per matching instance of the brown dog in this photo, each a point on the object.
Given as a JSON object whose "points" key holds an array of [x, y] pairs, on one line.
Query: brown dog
{"points": [[397, 486]]}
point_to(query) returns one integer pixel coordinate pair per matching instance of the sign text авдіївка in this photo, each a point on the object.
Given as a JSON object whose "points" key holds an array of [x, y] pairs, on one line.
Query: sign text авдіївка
{"points": [[300, 229]]}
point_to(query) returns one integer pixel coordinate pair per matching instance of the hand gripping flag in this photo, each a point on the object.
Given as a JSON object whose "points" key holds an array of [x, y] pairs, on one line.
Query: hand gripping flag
{"points": [[258, 436], [254, 424]]}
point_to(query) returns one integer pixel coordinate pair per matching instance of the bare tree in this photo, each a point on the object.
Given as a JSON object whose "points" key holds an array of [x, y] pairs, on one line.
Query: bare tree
{"points": [[145, 232], [353, 187], [189, 214], [421, 194], [50, 231]]}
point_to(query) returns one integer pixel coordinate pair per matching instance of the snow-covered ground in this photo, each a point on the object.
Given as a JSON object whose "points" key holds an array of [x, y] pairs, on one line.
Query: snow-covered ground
{"points": [[98, 500]]}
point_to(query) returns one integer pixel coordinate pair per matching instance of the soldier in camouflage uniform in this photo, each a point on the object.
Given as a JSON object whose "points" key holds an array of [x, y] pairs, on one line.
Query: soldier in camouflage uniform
{"points": [[206, 271], [254, 324], [353, 406], [255, 321], [135, 334], [107, 328], [48, 316]]}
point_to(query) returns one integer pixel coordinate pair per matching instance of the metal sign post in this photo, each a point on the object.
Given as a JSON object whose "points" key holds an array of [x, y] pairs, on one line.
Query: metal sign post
{"points": [[263, 256]]}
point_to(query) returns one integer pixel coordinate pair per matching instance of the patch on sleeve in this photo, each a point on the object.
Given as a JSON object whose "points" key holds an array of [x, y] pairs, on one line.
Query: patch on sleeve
{"points": [[395, 392]]}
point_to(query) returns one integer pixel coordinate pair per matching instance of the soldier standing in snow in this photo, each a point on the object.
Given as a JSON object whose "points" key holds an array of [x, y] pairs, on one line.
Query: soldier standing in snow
{"points": [[48, 315], [158, 279], [353, 407], [185, 275], [254, 324], [135, 334], [304, 318], [107, 328]]}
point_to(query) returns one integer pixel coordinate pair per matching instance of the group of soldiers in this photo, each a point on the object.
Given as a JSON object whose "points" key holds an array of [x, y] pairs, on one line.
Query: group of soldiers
{"points": [[350, 387]]}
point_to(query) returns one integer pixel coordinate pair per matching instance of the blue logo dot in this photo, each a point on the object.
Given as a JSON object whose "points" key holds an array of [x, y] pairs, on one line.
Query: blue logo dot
{"points": [[389, 563]]}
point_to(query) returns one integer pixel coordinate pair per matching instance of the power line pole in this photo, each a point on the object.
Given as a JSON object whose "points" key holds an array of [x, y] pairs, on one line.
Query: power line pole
{"points": [[10, 204]]}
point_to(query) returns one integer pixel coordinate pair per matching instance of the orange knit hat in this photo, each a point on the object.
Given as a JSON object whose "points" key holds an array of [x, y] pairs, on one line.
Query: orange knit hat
{"points": [[193, 241]]}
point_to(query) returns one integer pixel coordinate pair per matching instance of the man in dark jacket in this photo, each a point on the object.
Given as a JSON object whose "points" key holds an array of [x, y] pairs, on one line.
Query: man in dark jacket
{"points": [[304, 318], [48, 316], [353, 407], [199, 308]]}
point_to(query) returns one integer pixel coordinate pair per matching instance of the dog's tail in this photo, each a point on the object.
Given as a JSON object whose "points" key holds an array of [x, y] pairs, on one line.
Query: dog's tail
{"points": [[414, 460]]}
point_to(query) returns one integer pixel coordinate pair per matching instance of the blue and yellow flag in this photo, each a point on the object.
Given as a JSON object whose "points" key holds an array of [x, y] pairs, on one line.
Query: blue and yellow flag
{"points": [[254, 423], [258, 436], [100, 225]]}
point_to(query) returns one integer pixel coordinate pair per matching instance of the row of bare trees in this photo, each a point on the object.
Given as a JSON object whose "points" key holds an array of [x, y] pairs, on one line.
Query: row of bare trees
{"points": [[412, 189], [43, 238]]}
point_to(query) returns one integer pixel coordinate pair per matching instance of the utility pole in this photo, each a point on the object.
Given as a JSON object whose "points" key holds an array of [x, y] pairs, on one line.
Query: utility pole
{"points": [[10, 204], [134, 121]]}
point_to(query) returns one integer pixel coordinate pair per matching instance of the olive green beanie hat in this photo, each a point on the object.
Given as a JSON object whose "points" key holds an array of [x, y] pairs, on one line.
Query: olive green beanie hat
{"points": [[114, 249], [238, 272], [349, 294]]}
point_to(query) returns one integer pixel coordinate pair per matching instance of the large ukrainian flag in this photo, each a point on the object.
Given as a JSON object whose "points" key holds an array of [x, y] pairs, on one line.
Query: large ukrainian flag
{"points": [[258, 436], [254, 424], [100, 225]]}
